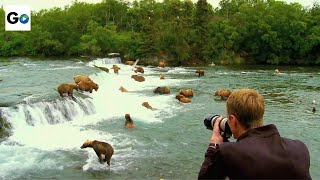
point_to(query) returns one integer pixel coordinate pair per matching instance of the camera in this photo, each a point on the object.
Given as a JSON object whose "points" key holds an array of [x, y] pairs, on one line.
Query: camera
{"points": [[209, 121]]}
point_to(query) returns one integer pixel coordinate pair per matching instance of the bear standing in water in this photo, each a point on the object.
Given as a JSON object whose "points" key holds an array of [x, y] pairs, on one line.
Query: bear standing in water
{"points": [[129, 122], [183, 99], [100, 148], [200, 72], [115, 69]]}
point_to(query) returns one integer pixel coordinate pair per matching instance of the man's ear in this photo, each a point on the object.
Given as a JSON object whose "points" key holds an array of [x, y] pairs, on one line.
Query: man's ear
{"points": [[234, 120]]}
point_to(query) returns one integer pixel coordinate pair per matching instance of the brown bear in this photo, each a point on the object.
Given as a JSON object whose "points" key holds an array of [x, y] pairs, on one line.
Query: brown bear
{"points": [[129, 122], [162, 64], [122, 89], [129, 63], [139, 69], [183, 99], [67, 88], [88, 86], [200, 72], [162, 76], [101, 148], [162, 90], [223, 93], [147, 105], [138, 78], [186, 92], [79, 78], [115, 69]]}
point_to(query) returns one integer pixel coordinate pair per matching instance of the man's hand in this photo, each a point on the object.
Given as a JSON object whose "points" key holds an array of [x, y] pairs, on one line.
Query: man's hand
{"points": [[216, 137]]}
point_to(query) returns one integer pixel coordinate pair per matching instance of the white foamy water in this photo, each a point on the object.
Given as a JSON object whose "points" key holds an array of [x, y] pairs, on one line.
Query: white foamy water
{"points": [[67, 67], [43, 128]]}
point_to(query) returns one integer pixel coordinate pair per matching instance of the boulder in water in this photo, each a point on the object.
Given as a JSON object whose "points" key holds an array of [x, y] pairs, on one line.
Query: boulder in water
{"points": [[4, 127], [102, 68]]}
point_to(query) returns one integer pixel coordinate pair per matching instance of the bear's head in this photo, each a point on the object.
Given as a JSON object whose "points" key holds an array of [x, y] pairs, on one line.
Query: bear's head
{"points": [[182, 98], [122, 89], [129, 122], [95, 86], [75, 86], [86, 144], [179, 96], [162, 76], [115, 67], [157, 90], [147, 105], [217, 93]]}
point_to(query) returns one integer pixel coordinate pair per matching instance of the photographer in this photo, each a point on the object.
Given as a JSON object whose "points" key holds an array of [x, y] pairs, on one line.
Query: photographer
{"points": [[260, 152]]}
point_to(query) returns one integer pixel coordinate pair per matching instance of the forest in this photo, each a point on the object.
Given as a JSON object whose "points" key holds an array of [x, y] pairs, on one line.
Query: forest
{"points": [[235, 32]]}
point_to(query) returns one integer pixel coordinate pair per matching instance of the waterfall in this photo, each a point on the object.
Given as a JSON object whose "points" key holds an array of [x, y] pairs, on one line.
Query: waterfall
{"points": [[104, 61], [44, 113]]}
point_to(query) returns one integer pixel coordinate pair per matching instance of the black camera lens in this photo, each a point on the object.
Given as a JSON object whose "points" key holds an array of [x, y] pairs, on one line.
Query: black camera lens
{"points": [[209, 121]]}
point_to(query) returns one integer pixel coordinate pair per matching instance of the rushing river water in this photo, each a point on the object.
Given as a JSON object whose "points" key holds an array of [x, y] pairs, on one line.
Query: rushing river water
{"points": [[168, 143]]}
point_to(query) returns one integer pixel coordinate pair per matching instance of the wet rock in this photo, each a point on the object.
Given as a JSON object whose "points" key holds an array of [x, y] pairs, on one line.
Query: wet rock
{"points": [[102, 68], [5, 128]]}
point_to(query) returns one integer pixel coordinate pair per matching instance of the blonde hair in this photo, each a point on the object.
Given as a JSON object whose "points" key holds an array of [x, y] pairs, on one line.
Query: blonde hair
{"points": [[248, 106]]}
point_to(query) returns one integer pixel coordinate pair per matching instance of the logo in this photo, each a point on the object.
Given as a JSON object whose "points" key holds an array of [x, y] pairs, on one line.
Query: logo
{"points": [[17, 18]]}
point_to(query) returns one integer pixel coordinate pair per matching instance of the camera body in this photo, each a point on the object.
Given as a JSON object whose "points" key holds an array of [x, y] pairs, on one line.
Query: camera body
{"points": [[209, 121]]}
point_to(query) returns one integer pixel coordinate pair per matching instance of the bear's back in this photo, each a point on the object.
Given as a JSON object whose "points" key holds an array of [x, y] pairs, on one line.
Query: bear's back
{"points": [[103, 147]]}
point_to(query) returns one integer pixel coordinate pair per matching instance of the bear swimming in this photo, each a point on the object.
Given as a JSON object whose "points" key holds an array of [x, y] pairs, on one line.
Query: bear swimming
{"points": [[162, 76], [162, 64], [67, 88], [223, 93], [200, 72], [139, 69], [183, 99], [129, 122], [147, 105], [122, 89], [115, 69], [101, 148], [138, 78], [162, 90], [186, 92]]}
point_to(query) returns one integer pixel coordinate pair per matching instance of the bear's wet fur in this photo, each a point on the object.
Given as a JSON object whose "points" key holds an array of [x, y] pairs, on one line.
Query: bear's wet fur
{"points": [[122, 89], [115, 69], [223, 93], [200, 72], [162, 76], [67, 88], [138, 78], [162, 90], [78, 78], [147, 105], [101, 148], [183, 99], [139, 69], [88, 86], [186, 92], [129, 122]]}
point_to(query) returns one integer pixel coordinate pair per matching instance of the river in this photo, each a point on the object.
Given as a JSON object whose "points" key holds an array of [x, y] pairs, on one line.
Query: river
{"points": [[167, 143]]}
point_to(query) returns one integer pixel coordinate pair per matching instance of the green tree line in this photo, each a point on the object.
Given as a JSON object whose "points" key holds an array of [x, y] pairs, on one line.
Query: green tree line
{"points": [[238, 31]]}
